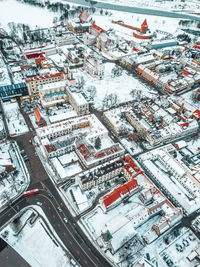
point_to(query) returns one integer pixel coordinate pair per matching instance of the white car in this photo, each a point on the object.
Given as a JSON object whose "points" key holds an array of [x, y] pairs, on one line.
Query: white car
{"points": [[66, 220]]}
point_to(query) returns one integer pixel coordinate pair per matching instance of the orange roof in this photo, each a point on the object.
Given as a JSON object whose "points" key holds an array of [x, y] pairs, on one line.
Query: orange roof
{"points": [[97, 28], [120, 192], [37, 115], [110, 198]]}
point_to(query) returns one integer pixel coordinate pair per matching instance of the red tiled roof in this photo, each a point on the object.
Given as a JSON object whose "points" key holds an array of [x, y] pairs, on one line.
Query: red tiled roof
{"points": [[196, 47], [197, 113], [184, 73], [186, 124], [35, 55], [97, 28], [120, 192], [111, 198], [84, 16], [144, 23], [43, 77]]}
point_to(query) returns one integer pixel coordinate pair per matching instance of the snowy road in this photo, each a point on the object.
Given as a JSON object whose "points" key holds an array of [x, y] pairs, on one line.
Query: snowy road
{"points": [[136, 10]]}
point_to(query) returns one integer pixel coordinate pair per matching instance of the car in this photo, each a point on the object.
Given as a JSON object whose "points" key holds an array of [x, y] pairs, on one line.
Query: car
{"points": [[59, 209], [39, 203], [50, 196], [66, 220]]}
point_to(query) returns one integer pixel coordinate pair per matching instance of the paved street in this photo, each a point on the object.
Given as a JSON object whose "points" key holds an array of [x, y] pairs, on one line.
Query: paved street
{"points": [[71, 234]]}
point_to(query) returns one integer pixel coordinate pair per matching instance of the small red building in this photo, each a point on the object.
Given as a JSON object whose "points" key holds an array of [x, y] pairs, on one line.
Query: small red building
{"points": [[40, 121], [84, 16]]}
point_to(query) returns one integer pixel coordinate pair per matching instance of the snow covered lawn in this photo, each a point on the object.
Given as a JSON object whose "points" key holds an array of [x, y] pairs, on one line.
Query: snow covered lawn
{"points": [[121, 86], [35, 245]]}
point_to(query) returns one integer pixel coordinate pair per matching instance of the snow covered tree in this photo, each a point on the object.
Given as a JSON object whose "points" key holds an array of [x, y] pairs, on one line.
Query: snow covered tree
{"points": [[97, 143]]}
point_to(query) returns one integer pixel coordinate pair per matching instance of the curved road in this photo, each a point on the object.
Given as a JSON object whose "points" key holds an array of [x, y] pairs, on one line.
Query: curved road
{"points": [[136, 10], [70, 233]]}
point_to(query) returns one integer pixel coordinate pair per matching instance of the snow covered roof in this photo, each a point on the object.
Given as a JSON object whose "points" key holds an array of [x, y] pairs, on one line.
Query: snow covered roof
{"points": [[52, 86], [79, 99]]}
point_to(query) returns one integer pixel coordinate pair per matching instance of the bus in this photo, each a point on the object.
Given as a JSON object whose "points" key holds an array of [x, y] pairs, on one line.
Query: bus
{"points": [[31, 192]]}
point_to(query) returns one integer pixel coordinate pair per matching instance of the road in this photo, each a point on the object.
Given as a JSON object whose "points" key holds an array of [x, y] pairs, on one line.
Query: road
{"points": [[136, 10], [71, 234]]}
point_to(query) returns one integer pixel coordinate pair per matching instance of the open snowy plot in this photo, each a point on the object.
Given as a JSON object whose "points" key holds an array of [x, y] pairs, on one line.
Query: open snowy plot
{"points": [[15, 120], [108, 87], [13, 180], [35, 243]]}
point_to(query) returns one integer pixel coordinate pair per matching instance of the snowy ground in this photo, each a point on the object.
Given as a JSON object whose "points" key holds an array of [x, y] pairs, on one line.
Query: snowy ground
{"points": [[12, 183], [47, 253]]}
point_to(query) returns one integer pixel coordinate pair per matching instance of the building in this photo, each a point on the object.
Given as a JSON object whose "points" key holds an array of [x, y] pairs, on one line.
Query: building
{"points": [[91, 157], [118, 194], [100, 174], [78, 102], [65, 39], [84, 16], [94, 67], [176, 181], [34, 82], [8, 92], [53, 93], [35, 52], [40, 121], [96, 30], [77, 27], [162, 44]]}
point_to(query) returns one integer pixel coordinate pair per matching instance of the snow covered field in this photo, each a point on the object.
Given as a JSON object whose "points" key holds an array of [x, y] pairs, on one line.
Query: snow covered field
{"points": [[11, 11], [15, 120], [121, 86], [38, 247]]}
